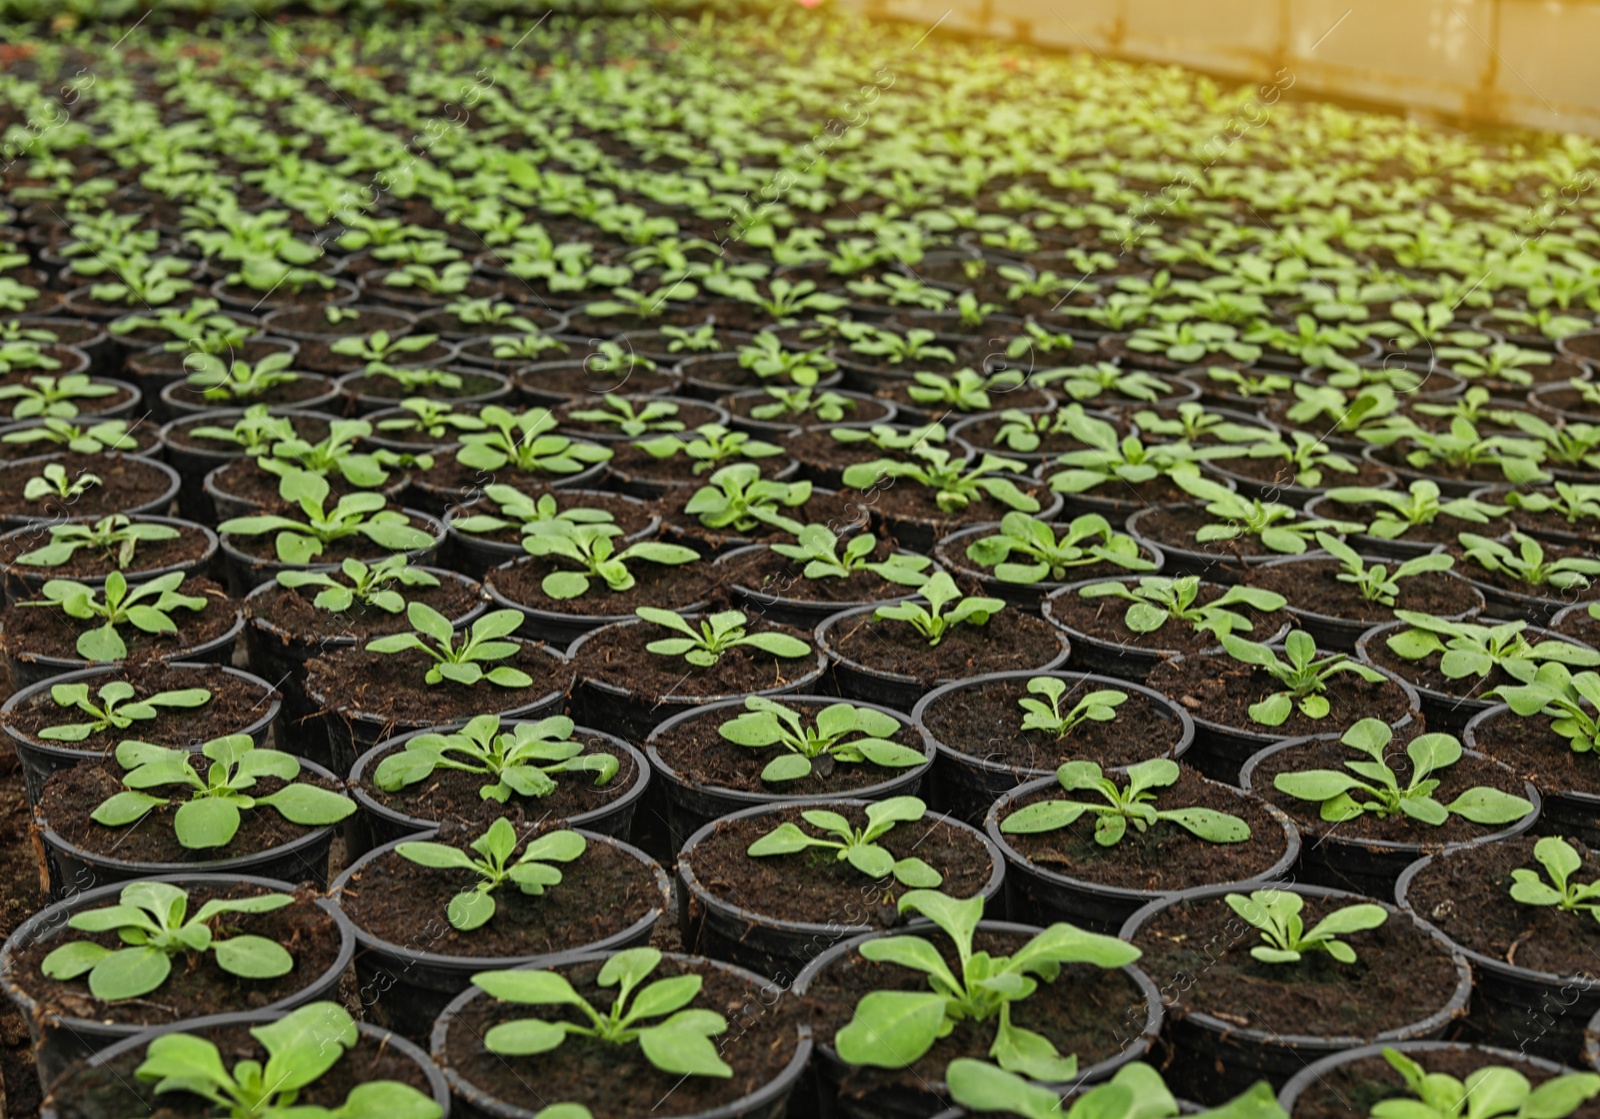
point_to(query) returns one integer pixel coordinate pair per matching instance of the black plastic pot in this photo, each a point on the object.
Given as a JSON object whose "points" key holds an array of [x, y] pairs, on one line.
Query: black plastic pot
{"points": [[1220, 751], [1221, 565], [1305, 1083], [1322, 508], [884, 412], [951, 553], [13, 475], [893, 689], [58, 1041], [280, 656], [25, 581], [1341, 634], [1512, 606], [370, 317], [180, 399], [1217, 1059], [1113, 658], [497, 389], [300, 860], [416, 984], [1346, 861], [438, 499], [780, 949], [690, 807], [967, 784], [352, 732], [770, 1101], [1039, 895], [920, 534], [1442, 710], [798, 612], [1566, 812], [143, 1104], [376, 824], [904, 1102], [28, 668], [559, 628], [192, 465], [619, 710], [246, 572], [40, 758], [1535, 1011], [227, 504]]}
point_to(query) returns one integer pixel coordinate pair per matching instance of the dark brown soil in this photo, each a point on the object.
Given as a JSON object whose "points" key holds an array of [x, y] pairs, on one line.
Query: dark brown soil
{"points": [[857, 410], [242, 480], [387, 388], [125, 483], [904, 500], [111, 1090], [1274, 471], [1467, 773], [197, 986], [628, 516], [773, 575], [453, 794], [1400, 975], [840, 512], [88, 407], [618, 656], [985, 722], [452, 482], [808, 884], [306, 386], [235, 703], [1174, 526], [701, 756], [985, 432], [1086, 1011], [601, 893], [1011, 641], [87, 563], [1356, 1087], [900, 393], [294, 612], [1220, 690], [1313, 586], [617, 1082], [952, 556], [391, 686], [1507, 582], [680, 470], [1538, 754], [1424, 673], [47, 631], [1165, 857], [71, 795], [1102, 618], [575, 378], [22, 894], [1467, 894], [817, 448], [1442, 530], [308, 427], [669, 586], [690, 414], [1581, 627]]}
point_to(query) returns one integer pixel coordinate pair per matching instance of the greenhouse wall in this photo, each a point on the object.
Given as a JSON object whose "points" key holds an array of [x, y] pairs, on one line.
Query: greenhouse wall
{"points": [[1513, 62]]}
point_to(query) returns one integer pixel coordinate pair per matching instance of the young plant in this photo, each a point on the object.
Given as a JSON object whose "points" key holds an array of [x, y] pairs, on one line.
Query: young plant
{"points": [[336, 454], [1090, 382], [1488, 1092], [1302, 675], [519, 510], [1372, 787], [114, 711], [151, 919], [1278, 527], [1461, 448], [301, 1047], [934, 621], [460, 660], [116, 538], [894, 1029], [767, 358], [632, 419], [737, 497], [525, 443], [678, 1043], [222, 383], [857, 846], [1560, 861], [1135, 1092], [522, 760], [586, 552], [1571, 700], [53, 396], [818, 548], [81, 439], [1468, 649], [840, 734], [1158, 600], [1527, 564], [1027, 550], [804, 404], [355, 514], [531, 870], [956, 483], [1045, 715], [711, 446], [717, 634], [1420, 505], [1133, 804], [368, 586], [1277, 914], [1376, 582], [147, 607], [52, 482], [431, 418], [211, 815]]}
